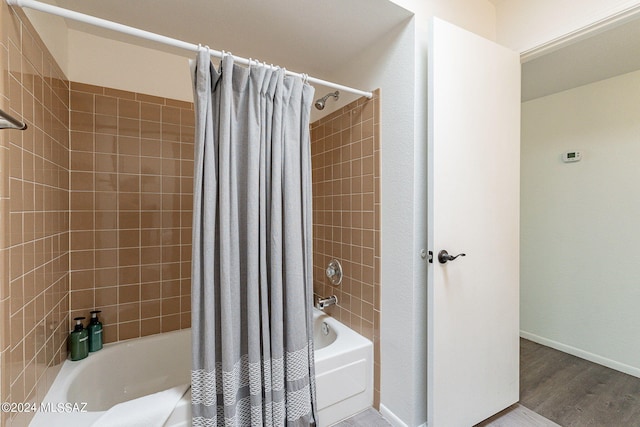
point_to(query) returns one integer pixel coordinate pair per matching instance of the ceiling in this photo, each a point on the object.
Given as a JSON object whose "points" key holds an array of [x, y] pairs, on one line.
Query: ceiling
{"points": [[317, 37], [301, 35], [601, 56]]}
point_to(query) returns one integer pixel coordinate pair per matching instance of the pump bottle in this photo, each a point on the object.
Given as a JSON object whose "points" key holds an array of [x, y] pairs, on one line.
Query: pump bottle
{"points": [[78, 341], [95, 332]]}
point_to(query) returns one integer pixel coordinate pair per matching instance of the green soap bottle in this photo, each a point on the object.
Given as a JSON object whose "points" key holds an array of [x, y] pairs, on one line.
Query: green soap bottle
{"points": [[79, 341], [95, 332]]}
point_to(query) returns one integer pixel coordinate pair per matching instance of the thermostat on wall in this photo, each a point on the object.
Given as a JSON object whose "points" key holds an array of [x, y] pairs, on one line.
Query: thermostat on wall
{"points": [[571, 156]]}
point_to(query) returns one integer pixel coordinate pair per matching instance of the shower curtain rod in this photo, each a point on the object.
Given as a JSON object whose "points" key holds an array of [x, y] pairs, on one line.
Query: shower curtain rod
{"points": [[136, 32]]}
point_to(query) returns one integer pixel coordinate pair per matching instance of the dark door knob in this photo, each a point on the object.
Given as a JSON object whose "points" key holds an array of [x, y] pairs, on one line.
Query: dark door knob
{"points": [[443, 256]]}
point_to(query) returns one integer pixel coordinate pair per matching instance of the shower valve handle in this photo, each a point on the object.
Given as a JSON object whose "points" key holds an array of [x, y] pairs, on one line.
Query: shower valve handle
{"points": [[334, 272]]}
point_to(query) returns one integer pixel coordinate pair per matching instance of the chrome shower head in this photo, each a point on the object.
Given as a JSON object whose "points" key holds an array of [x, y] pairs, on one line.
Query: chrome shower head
{"points": [[320, 102]]}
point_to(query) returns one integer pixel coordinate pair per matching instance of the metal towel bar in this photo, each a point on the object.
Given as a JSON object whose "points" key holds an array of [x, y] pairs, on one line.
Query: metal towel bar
{"points": [[8, 122]]}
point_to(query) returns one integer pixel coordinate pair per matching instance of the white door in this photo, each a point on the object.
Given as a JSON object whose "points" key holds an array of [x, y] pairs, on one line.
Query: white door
{"points": [[474, 184]]}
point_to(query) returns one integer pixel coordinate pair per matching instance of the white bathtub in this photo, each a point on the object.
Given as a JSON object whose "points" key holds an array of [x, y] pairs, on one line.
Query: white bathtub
{"points": [[135, 368], [344, 370]]}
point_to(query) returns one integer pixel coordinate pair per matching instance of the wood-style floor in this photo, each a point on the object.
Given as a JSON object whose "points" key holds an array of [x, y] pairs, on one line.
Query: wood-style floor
{"points": [[574, 392], [557, 389]]}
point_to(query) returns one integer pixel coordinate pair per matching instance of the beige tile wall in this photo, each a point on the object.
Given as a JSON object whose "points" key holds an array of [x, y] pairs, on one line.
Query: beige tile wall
{"points": [[131, 202], [34, 215], [345, 147]]}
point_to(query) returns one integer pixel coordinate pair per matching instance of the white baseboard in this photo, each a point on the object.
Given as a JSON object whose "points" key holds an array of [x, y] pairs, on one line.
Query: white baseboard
{"points": [[609, 363], [391, 417]]}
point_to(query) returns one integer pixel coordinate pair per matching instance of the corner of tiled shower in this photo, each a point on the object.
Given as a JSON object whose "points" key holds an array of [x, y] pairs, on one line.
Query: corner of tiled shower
{"points": [[34, 212], [345, 150], [95, 212]]}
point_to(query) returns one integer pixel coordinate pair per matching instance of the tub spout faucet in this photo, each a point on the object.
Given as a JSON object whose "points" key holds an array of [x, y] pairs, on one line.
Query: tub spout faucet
{"points": [[322, 303]]}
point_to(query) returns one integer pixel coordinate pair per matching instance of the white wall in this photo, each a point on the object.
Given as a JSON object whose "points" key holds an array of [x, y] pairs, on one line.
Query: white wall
{"points": [[477, 16], [525, 24], [404, 199], [117, 64], [390, 65], [113, 63], [53, 32], [580, 222]]}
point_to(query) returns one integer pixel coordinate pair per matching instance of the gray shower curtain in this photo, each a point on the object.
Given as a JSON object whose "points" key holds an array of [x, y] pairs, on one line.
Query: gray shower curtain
{"points": [[252, 249]]}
